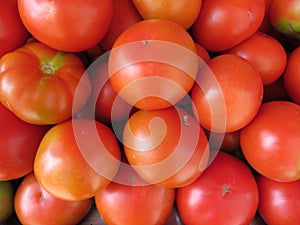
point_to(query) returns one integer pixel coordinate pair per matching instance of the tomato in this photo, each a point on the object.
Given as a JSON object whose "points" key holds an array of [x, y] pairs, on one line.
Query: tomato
{"points": [[34, 205], [52, 79], [109, 107], [291, 76], [166, 147], [6, 200], [228, 83], [13, 33], [171, 10], [124, 15], [202, 52], [265, 53], [279, 201], [77, 158], [67, 27], [226, 192], [18, 146], [135, 205], [285, 18], [153, 64], [270, 142], [222, 24]]}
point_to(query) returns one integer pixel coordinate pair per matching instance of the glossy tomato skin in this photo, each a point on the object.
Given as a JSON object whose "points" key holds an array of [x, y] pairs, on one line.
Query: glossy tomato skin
{"points": [[34, 205], [221, 24], [52, 79], [270, 142], [153, 64], [265, 53], [18, 146], [67, 27], [226, 192], [279, 201], [124, 15], [135, 205], [13, 33], [172, 10], [228, 83], [285, 18], [82, 157], [291, 76], [166, 147]]}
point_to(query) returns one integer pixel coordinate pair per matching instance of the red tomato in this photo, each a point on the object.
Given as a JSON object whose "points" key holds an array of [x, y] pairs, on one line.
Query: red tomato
{"points": [[226, 193], [270, 142], [291, 76], [18, 145], [109, 106], [285, 17], [124, 15], [202, 52], [77, 158], [52, 79], [265, 53], [135, 205], [165, 71], [166, 147], [228, 83], [171, 10], [221, 24], [34, 205], [6, 200], [279, 201], [13, 33], [67, 27]]}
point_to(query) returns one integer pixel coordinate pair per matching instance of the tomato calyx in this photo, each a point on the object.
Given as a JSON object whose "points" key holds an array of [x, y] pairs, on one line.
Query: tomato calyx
{"points": [[49, 67], [225, 190]]}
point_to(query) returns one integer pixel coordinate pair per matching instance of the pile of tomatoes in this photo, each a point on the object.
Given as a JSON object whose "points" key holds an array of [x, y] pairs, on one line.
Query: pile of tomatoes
{"points": [[150, 112]]}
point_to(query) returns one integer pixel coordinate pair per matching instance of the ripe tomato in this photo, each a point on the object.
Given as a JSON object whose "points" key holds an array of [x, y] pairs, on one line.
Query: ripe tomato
{"points": [[18, 146], [6, 200], [291, 76], [279, 201], [124, 15], [135, 205], [202, 52], [153, 64], [52, 78], [76, 159], [13, 33], [265, 53], [226, 193], [34, 205], [171, 10], [270, 142], [67, 27], [166, 147], [217, 103], [221, 24], [285, 17]]}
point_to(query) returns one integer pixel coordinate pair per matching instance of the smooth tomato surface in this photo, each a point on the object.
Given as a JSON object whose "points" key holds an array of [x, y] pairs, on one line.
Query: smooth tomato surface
{"points": [[46, 95], [34, 205], [81, 157], [270, 142], [153, 64], [18, 146], [221, 24], [172, 10], [166, 147], [228, 83], [13, 33], [226, 192], [67, 27], [135, 205], [265, 53], [291, 76], [279, 201]]}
